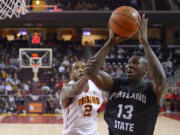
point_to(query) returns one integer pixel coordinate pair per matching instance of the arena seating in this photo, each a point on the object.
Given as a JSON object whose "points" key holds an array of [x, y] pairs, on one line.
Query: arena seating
{"points": [[18, 94]]}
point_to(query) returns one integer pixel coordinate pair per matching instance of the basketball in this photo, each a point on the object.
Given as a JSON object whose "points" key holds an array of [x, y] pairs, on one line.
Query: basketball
{"points": [[123, 21]]}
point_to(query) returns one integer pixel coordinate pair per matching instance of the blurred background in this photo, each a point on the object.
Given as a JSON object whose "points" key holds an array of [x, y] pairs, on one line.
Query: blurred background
{"points": [[76, 30]]}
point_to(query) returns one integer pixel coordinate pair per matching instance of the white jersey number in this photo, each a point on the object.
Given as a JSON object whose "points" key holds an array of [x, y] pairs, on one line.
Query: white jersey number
{"points": [[87, 110], [129, 109]]}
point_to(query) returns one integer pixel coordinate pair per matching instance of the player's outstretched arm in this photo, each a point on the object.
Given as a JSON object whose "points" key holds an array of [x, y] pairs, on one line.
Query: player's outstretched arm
{"points": [[157, 72], [100, 56], [103, 80], [72, 90]]}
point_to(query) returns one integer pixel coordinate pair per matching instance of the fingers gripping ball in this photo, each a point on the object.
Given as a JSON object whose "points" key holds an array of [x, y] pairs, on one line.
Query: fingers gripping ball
{"points": [[124, 21]]}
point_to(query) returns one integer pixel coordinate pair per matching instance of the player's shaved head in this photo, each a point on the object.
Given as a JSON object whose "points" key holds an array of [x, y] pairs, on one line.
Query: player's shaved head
{"points": [[78, 69]]}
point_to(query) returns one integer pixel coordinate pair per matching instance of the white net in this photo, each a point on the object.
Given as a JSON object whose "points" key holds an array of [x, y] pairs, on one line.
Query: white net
{"points": [[10, 8], [35, 67]]}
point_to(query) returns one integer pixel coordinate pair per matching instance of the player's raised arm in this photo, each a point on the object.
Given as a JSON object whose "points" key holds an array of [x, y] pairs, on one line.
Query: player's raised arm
{"points": [[100, 56], [103, 80], [157, 72]]}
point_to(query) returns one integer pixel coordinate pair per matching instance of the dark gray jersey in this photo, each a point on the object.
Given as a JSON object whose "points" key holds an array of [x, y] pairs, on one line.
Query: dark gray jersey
{"points": [[131, 109]]}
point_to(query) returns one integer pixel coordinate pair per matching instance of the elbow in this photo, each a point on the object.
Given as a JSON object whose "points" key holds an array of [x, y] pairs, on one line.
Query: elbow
{"points": [[159, 78], [163, 84], [163, 81]]}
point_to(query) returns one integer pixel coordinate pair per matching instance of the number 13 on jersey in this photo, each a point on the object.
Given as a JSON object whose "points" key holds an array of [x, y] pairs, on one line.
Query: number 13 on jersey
{"points": [[128, 114]]}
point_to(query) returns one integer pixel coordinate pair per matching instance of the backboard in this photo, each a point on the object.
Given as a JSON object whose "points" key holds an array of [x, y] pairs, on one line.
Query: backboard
{"points": [[30, 56], [35, 58]]}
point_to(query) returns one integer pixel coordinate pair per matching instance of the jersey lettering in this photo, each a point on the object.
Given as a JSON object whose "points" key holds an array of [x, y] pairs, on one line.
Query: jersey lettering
{"points": [[125, 95], [124, 126], [88, 99]]}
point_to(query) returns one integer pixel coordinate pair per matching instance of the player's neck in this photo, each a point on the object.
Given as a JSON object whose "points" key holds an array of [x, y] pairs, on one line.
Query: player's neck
{"points": [[137, 81]]}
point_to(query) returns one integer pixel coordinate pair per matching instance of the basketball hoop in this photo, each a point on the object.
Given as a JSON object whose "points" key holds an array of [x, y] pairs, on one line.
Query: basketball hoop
{"points": [[35, 58], [8, 8], [35, 70]]}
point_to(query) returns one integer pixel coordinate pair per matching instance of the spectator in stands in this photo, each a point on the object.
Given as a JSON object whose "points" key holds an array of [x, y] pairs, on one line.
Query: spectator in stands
{"points": [[49, 105], [78, 6], [20, 99], [168, 99], [89, 5], [8, 87], [120, 73], [25, 87], [61, 69], [60, 6], [45, 89], [3, 74], [66, 61], [171, 102], [2, 65], [2, 87], [55, 62], [9, 78], [160, 56], [69, 6], [1, 108], [16, 82], [84, 5], [11, 106], [94, 6], [59, 84], [176, 98]]}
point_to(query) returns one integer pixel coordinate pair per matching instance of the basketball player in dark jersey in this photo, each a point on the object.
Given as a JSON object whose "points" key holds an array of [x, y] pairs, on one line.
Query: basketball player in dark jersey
{"points": [[134, 103]]}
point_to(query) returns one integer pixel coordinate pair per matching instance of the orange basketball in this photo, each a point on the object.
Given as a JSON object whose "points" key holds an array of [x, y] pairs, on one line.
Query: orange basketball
{"points": [[123, 21]]}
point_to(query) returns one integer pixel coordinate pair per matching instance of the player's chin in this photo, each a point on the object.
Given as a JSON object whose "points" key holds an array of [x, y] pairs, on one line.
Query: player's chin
{"points": [[130, 75]]}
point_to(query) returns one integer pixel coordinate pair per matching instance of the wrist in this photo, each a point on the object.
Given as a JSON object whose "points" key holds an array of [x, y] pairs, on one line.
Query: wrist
{"points": [[111, 42], [145, 43]]}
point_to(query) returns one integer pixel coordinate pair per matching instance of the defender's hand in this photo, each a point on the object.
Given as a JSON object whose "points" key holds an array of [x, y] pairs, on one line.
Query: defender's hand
{"points": [[90, 65], [143, 29]]}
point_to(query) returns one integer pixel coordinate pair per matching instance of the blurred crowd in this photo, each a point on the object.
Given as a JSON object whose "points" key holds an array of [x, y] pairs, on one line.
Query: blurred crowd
{"points": [[16, 85], [95, 4], [109, 4], [113, 4]]}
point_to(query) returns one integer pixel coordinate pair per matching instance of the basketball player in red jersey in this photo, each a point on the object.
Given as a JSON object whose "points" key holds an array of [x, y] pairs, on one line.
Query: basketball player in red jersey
{"points": [[134, 103]]}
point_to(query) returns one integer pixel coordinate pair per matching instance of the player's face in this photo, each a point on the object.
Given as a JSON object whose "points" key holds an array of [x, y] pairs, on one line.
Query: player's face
{"points": [[135, 68], [78, 70]]}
